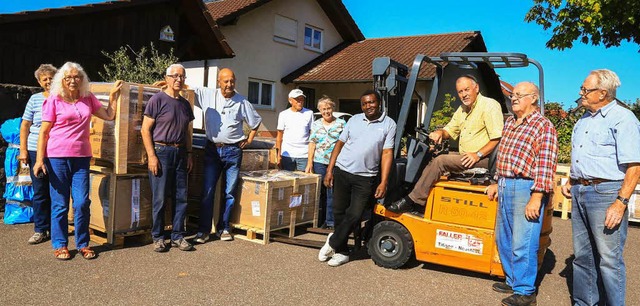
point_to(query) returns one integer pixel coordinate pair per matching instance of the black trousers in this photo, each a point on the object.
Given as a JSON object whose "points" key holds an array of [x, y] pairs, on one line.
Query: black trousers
{"points": [[352, 194]]}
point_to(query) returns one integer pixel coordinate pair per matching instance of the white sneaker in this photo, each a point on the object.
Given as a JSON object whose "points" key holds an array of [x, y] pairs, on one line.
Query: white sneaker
{"points": [[338, 260], [226, 236], [326, 251]]}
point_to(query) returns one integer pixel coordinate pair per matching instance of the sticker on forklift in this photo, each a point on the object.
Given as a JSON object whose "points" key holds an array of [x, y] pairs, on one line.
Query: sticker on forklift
{"points": [[458, 242]]}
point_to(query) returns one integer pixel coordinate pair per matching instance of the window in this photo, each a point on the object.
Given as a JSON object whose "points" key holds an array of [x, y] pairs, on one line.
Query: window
{"points": [[261, 93], [312, 38], [285, 30]]}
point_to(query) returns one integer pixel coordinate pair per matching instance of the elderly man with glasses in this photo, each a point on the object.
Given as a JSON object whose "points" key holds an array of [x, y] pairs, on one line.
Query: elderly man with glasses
{"points": [[478, 123], [165, 128], [526, 163], [605, 165]]}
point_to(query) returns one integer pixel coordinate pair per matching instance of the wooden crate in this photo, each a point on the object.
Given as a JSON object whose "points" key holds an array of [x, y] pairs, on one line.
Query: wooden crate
{"points": [[119, 142], [560, 203], [266, 199]]}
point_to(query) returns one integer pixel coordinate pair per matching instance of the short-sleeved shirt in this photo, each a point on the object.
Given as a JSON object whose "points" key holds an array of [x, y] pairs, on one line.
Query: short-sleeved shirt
{"points": [[364, 141], [172, 117], [69, 134], [223, 117], [604, 142], [33, 114], [325, 138], [477, 126], [296, 127]]}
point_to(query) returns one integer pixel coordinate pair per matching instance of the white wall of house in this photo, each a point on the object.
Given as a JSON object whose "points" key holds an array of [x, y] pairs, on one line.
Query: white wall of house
{"points": [[261, 56]]}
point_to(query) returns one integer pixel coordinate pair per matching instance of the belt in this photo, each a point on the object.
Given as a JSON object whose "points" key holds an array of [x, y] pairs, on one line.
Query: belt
{"points": [[220, 144], [586, 182], [170, 144]]}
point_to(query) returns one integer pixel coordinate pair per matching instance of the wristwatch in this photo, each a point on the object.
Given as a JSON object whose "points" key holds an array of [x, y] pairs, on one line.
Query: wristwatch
{"points": [[624, 201], [480, 155]]}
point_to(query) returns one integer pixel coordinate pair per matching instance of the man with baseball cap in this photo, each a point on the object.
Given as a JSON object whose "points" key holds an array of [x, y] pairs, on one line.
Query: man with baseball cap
{"points": [[294, 127]]}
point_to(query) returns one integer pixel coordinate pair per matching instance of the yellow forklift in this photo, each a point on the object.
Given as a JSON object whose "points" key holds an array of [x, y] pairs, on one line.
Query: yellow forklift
{"points": [[457, 226]]}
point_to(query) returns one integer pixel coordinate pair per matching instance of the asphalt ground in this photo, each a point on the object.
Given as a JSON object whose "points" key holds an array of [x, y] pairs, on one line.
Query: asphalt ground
{"points": [[246, 273]]}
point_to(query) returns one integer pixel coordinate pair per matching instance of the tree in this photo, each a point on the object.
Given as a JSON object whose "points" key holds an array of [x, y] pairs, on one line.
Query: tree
{"points": [[441, 117], [591, 21], [139, 67]]}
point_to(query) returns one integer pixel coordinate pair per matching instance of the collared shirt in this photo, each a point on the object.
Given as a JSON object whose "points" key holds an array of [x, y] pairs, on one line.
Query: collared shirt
{"points": [[477, 126], [223, 117], [604, 142], [364, 141], [33, 113], [325, 138], [529, 150]]}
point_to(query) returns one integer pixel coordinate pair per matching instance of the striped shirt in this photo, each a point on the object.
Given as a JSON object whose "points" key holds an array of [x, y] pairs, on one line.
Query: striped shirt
{"points": [[529, 150], [33, 113]]}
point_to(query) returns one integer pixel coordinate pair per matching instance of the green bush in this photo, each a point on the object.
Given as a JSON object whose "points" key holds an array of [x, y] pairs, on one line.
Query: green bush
{"points": [[145, 66]]}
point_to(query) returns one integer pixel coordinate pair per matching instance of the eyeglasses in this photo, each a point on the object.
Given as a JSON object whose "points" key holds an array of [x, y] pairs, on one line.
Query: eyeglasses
{"points": [[177, 76], [516, 97], [586, 91], [76, 78]]}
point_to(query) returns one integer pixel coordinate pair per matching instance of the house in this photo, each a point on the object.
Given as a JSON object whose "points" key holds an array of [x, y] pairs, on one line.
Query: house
{"points": [[271, 39]]}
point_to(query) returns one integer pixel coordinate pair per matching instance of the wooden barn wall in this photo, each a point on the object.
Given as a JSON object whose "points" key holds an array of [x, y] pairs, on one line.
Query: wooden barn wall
{"points": [[81, 38]]}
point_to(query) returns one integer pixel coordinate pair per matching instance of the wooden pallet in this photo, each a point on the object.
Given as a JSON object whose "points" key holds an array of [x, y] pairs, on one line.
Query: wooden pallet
{"points": [[117, 241], [258, 235]]}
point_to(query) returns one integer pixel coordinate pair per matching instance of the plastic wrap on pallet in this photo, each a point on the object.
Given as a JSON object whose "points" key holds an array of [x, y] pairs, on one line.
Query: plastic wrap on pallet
{"points": [[272, 175], [18, 186]]}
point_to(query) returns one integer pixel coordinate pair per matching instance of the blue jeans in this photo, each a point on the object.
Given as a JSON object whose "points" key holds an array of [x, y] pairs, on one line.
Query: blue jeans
{"points": [[518, 239], [69, 176], [41, 201], [171, 181], [326, 194], [217, 161], [599, 272], [293, 163]]}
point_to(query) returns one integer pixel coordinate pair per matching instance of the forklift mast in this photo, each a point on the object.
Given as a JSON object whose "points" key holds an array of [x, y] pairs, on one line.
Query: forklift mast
{"points": [[390, 78]]}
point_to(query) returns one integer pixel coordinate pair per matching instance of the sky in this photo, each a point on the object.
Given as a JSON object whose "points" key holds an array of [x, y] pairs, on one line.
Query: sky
{"points": [[503, 29]]}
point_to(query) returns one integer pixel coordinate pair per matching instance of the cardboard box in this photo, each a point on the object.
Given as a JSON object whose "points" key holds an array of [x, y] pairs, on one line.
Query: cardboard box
{"points": [[273, 200], [119, 142], [560, 203]]}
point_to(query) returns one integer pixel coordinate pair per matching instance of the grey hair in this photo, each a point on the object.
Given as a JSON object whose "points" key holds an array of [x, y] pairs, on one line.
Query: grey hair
{"points": [[326, 99], [175, 66], [57, 88], [470, 77], [607, 80], [44, 68]]}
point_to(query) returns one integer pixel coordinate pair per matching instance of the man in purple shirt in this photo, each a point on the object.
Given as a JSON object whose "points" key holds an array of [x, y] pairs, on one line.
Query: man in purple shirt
{"points": [[165, 128]]}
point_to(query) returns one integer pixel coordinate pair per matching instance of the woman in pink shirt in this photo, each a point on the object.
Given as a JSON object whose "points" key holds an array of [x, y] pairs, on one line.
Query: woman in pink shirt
{"points": [[64, 141]]}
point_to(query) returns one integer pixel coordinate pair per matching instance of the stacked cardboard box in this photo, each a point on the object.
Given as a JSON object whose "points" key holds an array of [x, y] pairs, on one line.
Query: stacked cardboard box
{"points": [[273, 200], [560, 203]]}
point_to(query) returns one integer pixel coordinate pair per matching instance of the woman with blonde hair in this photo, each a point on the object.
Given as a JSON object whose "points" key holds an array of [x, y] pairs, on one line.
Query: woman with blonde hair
{"points": [[64, 153], [324, 135]]}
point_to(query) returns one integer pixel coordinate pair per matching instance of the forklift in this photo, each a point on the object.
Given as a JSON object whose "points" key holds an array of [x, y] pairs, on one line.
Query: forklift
{"points": [[458, 224]]}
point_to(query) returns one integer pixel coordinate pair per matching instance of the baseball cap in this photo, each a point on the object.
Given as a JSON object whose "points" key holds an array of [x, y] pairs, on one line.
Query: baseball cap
{"points": [[296, 93]]}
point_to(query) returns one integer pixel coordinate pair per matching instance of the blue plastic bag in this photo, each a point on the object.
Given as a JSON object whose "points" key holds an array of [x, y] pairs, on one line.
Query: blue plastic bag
{"points": [[18, 186], [15, 213]]}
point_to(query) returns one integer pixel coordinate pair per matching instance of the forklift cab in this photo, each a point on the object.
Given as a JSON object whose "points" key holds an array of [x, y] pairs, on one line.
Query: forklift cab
{"points": [[457, 228]]}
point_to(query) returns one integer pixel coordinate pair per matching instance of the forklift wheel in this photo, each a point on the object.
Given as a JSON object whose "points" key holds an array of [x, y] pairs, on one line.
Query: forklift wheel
{"points": [[390, 245]]}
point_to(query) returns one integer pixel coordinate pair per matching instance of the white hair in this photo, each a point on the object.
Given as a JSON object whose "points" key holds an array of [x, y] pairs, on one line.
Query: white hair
{"points": [[607, 80], [175, 66], [57, 87]]}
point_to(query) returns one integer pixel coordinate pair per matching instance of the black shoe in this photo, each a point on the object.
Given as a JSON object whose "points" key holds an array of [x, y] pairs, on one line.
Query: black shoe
{"points": [[502, 288], [402, 206], [520, 300]]}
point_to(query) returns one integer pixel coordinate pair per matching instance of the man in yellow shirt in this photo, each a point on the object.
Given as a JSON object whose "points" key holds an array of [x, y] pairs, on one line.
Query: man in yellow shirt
{"points": [[478, 123]]}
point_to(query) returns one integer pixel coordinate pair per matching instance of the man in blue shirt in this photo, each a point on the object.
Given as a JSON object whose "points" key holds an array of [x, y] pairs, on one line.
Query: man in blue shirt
{"points": [[605, 165], [225, 111], [364, 149]]}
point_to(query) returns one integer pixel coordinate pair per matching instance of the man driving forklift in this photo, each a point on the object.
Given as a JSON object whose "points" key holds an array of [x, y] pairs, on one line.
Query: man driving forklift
{"points": [[478, 123]]}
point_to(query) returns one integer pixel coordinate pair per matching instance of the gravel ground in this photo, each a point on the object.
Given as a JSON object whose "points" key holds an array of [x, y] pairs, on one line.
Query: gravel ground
{"points": [[245, 273]]}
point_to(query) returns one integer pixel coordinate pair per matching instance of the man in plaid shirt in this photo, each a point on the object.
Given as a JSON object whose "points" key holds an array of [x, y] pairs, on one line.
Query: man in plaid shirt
{"points": [[526, 163]]}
